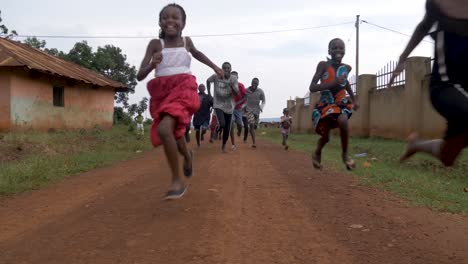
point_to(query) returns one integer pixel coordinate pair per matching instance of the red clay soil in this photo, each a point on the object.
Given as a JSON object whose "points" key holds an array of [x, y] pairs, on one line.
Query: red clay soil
{"points": [[248, 206]]}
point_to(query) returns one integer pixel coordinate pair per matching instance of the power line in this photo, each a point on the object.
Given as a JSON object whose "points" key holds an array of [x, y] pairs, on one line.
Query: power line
{"points": [[392, 30], [193, 36], [274, 31]]}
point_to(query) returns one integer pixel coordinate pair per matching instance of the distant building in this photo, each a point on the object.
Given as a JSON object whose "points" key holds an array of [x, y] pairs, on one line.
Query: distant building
{"points": [[39, 91]]}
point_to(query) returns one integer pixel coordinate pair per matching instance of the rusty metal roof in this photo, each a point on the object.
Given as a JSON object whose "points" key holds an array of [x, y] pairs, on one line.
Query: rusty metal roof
{"points": [[16, 54]]}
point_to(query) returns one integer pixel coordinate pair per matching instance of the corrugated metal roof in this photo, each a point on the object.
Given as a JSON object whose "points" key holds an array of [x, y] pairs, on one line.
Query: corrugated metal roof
{"points": [[16, 54]]}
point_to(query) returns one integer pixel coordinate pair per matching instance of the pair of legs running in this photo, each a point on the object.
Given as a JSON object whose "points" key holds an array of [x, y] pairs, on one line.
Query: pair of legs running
{"points": [[172, 149], [325, 138], [233, 140], [245, 122], [285, 139], [224, 125], [252, 128], [200, 134], [237, 122], [252, 120]]}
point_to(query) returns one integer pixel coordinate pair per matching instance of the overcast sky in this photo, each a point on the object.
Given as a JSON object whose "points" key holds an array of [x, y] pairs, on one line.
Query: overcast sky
{"points": [[284, 62]]}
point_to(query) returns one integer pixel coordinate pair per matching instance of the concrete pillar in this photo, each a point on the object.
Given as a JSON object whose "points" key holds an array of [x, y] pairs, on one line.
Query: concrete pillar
{"points": [[416, 69], [314, 98], [290, 104], [366, 82], [297, 123]]}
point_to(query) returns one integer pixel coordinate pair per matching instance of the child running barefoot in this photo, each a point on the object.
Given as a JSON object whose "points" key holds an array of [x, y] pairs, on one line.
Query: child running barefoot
{"points": [[449, 78], [224, 91], [201, 119], [286, 121], [240, 101], [173, 91], [334, 108]]}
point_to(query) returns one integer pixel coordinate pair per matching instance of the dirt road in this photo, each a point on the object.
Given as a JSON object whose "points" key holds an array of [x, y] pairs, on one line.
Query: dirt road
{"points": [[249, 206]]}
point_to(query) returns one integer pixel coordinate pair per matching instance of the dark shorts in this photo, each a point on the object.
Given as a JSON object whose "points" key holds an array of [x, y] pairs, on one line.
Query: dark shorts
{"points": [[204, 125], [449, 91], [451, 101]]}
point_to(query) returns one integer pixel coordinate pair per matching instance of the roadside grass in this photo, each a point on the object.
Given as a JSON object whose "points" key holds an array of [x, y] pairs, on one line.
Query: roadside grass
{"points": [[422, 179], [30, 160]]}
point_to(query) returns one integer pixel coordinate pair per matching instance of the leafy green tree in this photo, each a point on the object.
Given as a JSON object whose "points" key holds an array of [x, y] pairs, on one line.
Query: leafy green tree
{"points": [[82, 54], [35, 43], [110, 61], [40, 44], [132, 109], [142, 105], [57, 53], [4, 31]]}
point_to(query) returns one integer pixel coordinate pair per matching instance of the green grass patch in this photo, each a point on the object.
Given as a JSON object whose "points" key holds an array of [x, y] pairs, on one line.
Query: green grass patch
{"points": [[30, 160], [422, 180]]}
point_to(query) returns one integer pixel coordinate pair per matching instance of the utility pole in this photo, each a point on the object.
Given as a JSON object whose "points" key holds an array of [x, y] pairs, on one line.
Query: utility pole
{"points": [[357, 49]]}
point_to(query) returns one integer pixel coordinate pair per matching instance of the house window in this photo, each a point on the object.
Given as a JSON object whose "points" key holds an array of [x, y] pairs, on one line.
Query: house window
{"points": [[58, 96]]}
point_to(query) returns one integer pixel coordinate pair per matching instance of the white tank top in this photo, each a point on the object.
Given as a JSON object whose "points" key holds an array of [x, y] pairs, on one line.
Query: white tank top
{"points": [[175, 61]]}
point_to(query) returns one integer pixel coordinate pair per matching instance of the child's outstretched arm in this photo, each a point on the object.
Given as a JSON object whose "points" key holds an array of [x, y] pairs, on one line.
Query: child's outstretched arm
{"points": [[203, 58], [314, 86], [152, 58], [419, 33]]}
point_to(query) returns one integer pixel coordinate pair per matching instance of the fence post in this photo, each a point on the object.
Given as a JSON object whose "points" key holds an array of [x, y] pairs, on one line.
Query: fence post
{"points": [[416, 70], [290, 104], [297, 124], [366, 82]]}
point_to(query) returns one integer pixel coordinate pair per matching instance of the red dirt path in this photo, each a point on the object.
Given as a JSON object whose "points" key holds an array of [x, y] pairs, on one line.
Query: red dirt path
{"points": [[249, 206]]}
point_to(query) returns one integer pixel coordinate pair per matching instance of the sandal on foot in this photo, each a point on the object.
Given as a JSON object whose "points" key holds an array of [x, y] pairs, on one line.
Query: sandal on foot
{"points": [[316, 161], [175, 194]]}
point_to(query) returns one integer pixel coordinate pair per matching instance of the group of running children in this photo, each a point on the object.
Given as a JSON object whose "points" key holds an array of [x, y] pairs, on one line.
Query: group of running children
{"points": [[174, 96], [233, 106]]}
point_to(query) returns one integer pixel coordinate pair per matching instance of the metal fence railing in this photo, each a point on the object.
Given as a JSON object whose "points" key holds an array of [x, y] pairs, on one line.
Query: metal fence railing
{"points": [[384, 75]]}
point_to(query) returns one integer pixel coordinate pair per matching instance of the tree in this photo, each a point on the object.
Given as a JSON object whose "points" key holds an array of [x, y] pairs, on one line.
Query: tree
{"points": [[57, 53], [121, 117], [40, 44], [35, 43], [4, 30], [110, 61], [132, 109], [82, 54], [142, 105]]}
